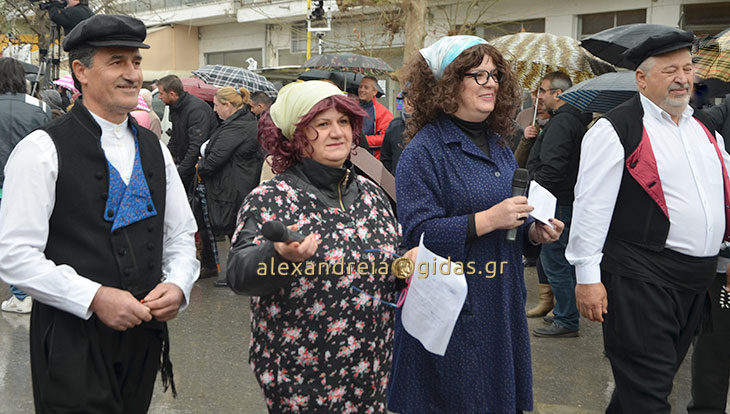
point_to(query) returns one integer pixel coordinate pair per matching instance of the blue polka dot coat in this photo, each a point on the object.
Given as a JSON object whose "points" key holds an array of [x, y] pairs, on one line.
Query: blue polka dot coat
{"points": [[442, 178]]}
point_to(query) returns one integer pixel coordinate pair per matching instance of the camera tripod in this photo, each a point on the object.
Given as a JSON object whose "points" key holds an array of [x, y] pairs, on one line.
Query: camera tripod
{"points": [[49, 66]]}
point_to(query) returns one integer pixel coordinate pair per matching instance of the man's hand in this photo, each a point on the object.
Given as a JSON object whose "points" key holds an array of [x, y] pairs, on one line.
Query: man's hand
{"points": [[530, 132], [118, 309], [540, 233], [591, 300], [164, 301]]}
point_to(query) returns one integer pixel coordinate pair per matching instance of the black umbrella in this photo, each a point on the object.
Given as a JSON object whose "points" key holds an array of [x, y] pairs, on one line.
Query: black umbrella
{"points": [[348, 82], [611, 44], [29, 68], [200, 195]]}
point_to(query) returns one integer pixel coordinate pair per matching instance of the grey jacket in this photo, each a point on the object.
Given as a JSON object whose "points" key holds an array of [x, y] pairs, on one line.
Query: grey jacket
{"points": [[20, 114]]}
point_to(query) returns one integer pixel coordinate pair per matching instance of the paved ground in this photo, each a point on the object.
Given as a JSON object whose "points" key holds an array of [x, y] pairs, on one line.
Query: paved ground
{"points": [[210, 352]]}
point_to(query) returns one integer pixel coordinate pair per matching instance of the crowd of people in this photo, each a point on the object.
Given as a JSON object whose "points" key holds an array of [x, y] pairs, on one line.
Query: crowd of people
{"points": [[104, 228]]}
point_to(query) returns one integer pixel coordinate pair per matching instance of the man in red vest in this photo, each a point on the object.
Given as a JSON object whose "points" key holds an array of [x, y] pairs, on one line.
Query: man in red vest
{"points": [[649, 218]]}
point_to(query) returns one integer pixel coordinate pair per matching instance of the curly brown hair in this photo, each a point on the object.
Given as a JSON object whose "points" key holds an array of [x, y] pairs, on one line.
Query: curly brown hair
{"points": [[431, 99]]}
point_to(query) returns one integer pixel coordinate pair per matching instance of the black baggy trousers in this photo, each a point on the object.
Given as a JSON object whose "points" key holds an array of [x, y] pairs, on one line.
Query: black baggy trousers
{"points": [[646, 333], [83, 366]]}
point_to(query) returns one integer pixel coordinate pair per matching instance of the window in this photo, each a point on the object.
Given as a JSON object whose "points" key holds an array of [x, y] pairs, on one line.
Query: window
{"points": [[707, 18], [299, 38], [234, 58], [491, 31], [286, 58], [596, 22]]}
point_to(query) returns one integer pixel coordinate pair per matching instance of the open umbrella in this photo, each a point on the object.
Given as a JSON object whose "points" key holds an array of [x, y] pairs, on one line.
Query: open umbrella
{"points": [[611, 44], [713, 60], [534, 55], [222, 75], [602, 93], [348, 82], [197, 87], [68, 83], [349, 62]]}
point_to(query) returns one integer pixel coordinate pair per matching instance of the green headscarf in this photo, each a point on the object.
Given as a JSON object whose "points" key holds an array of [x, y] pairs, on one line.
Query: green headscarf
{"points": [[295, 100]]}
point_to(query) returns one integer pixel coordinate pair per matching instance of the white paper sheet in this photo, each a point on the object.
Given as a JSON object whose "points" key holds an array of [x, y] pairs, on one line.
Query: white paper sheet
{"points": [[543, 201], [434, 302]]}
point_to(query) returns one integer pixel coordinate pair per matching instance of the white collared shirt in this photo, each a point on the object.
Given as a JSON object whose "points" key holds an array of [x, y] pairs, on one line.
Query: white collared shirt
{"points": [[29, 195], [690, 175]]}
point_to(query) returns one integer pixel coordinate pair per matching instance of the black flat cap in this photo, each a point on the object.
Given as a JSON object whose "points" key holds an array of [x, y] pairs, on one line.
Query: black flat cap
{"points": [[663, 41], [107, 30]]}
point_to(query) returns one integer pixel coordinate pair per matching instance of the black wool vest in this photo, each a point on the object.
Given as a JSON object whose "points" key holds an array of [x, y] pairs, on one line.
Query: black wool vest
{"points": [[129, 258], [637, 219]]}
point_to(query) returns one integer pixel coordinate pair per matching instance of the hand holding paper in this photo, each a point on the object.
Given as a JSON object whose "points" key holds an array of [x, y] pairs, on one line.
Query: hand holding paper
{"points": [[543, 202]]}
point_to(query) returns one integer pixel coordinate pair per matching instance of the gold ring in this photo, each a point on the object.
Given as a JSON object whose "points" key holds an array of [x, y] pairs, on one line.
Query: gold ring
{"points": [[402, 267]]}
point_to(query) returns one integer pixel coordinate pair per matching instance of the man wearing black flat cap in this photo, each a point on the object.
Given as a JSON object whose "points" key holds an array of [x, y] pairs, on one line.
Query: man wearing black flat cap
{"points": [[96, 226], [648, 221]]}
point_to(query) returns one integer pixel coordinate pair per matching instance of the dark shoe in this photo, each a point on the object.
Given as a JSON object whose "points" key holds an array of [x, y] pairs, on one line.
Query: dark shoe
{"points": [[207, 272], [548, 320], [555, 331], [529, 261], [221, 283]]}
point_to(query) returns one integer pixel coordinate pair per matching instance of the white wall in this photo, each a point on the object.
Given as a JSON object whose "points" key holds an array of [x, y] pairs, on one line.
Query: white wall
{"points": [[231, 36]]}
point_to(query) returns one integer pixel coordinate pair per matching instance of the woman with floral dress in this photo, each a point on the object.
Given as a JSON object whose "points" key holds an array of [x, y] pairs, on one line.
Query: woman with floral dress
{"points": [[321, 339]]}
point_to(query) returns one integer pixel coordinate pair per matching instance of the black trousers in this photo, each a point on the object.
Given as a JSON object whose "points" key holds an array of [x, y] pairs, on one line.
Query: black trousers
{"points": [[646, 334], [207, 257], [83, 366], [711, 357]]}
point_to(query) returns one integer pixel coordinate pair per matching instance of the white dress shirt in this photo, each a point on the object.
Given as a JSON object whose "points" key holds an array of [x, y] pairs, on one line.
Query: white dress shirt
{"points": [[690, 174], [29, 195]]}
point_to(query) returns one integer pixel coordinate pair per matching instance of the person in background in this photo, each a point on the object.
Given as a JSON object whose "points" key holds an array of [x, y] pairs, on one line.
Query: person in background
{"points": [[231, 160], [393, 141], [54, 101], [553, 164], [321, 342], [95, 225], [193, 121], [70, 13], [378, 118], [648, 221], [524, 120], [155, 123], [260, 102], [20, 114], [453, 183], [711, 352]]}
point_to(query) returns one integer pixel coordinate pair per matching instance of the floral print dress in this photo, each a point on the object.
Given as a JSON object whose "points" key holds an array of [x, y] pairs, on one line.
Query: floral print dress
{"points": [[324, 344]]}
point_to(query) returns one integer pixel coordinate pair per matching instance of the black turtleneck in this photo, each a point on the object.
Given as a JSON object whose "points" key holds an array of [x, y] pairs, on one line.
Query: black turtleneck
{"points": [[478, 132]]}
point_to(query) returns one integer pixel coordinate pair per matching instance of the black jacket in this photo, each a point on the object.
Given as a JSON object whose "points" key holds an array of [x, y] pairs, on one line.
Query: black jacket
{"points": [[193, 122], [555, 156], [69, 17], [19, 116], [720, 116], [231, 168], [393, 143]]}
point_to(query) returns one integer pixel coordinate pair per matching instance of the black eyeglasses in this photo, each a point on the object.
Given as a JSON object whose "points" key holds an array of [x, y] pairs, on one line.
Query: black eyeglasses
{"points": [[481, 77]]}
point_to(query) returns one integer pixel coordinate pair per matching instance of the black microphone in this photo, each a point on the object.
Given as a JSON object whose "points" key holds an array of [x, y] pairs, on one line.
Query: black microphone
{"points": [[276, 231], [520, 182]]}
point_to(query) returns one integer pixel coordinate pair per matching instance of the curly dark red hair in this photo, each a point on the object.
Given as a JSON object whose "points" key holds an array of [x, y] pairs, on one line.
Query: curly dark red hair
{"points": [[287, 152], [432, 99]]}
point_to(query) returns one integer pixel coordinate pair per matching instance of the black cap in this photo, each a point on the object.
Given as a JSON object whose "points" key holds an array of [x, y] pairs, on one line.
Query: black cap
{"points": [[107, 30], [657, 44]]}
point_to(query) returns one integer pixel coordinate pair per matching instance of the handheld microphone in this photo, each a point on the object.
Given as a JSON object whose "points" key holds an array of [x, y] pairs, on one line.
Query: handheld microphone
{"points": [[520, 182], [276, 231]]}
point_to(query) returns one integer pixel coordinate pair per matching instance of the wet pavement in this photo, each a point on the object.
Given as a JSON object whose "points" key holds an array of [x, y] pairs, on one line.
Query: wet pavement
{"points": [[209, 350]]}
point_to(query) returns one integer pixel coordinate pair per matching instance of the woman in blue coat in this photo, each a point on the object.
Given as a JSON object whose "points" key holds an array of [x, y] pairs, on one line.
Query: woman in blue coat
{"points": [[454, 183]]}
